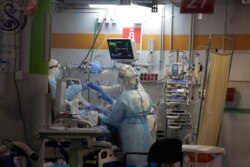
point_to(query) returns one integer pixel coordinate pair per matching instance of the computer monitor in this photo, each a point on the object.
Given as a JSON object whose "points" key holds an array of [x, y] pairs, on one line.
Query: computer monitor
{"points": [[122, 49]]}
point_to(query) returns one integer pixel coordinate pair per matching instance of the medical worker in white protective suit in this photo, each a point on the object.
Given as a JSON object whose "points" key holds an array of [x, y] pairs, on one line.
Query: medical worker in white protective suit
{"points": [[54, 74], [116, 90], [129, 114]]}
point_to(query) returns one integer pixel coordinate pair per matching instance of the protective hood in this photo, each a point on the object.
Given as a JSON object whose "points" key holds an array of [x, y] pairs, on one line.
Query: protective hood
{"points": [[129, 77], [54, 69], [53, 63]]}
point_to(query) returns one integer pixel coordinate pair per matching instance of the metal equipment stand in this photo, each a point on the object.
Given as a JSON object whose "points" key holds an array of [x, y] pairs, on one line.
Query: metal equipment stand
{"points": [[78, 138]]}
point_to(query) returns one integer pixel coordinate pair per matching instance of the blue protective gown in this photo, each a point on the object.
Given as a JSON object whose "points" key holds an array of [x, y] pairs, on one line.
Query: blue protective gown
{"points": [[129, 116]]}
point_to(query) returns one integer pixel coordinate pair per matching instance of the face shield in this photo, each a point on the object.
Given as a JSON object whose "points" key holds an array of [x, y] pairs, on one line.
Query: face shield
{"points": [[128, 77]]}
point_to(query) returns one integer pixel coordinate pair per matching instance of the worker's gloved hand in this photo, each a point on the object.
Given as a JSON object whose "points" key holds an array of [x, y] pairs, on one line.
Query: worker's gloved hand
{"points": [[85, 86], [95, 68], [105, 96], [72, 91], [95, 86]]}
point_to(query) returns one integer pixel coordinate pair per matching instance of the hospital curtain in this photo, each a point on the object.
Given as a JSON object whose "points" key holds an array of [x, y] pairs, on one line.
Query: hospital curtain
{"points": [[216, 87]]}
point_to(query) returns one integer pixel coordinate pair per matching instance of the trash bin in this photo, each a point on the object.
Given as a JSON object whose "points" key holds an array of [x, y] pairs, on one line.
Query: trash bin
{"points": [[202, 156]]}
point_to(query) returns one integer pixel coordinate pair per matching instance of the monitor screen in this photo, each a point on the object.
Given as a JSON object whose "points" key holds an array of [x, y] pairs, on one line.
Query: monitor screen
{"points": [[175, 70], [122, 49]]}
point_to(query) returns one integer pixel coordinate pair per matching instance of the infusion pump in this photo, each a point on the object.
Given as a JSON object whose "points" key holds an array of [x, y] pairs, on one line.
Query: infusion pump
{"points": [[177, 71]]}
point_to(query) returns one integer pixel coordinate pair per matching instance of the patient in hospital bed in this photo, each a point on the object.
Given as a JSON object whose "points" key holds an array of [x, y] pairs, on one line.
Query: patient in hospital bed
{"points": [[79, 113]]}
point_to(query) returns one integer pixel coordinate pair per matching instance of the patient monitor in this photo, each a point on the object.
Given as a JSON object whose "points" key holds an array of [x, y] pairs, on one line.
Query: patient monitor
{"points": [[177, 71], [122, 50]]}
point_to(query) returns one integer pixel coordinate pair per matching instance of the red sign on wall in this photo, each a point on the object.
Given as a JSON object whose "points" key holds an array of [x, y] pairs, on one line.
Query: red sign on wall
{"points": [[197, 6], [132, 33]]}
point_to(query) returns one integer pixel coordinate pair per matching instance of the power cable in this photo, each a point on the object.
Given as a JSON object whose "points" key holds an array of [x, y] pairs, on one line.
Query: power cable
{"points": [[93, 44], [91, 56], [18, 95]]}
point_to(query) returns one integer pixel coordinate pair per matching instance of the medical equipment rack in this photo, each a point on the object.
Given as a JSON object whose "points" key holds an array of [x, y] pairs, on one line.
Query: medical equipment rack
{"points": [[174, 114]]}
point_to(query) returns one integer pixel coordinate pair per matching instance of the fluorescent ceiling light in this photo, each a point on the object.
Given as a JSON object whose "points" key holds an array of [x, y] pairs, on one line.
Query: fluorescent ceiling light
{"points": [[101, 6]]}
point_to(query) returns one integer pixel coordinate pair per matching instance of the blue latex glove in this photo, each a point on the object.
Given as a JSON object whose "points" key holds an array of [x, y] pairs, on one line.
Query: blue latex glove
{"points": [[95, 68], [95, 87], [85, 86], [105, 96], [72, 91]]}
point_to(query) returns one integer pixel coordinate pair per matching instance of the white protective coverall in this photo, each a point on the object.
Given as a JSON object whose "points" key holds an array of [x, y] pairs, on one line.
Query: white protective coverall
{"points": [[129, 114]]}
